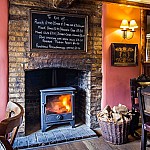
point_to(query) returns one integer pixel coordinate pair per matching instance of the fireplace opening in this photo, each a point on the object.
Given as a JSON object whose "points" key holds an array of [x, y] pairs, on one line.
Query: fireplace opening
{"points": [[47, 78]]}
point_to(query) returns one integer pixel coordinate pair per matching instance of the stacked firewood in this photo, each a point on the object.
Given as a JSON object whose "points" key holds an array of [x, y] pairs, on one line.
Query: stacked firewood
{"points": [[117, 114]]}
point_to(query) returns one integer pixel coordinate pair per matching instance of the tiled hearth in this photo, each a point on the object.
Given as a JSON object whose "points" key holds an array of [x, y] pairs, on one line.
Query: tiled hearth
{"points": [[57, 135]]}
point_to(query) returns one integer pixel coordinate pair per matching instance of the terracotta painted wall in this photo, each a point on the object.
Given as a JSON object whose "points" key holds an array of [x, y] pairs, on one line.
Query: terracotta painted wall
{"points": [[116, 79], [3, 57]]}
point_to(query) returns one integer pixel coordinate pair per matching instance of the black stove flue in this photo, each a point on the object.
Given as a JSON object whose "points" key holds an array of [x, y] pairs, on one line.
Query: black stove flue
{"points": [[57, 106]]}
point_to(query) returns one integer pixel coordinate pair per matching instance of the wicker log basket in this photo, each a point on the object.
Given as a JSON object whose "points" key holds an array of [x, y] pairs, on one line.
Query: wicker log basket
{"points": [[114, 129]]}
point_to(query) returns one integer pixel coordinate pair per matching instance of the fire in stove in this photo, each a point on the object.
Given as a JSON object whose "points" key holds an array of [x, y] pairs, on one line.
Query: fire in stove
{"points": [[58, 104]]}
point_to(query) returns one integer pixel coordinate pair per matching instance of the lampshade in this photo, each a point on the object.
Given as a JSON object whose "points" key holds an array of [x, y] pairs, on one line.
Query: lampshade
{"points": [[124, 24], [133, 25]]}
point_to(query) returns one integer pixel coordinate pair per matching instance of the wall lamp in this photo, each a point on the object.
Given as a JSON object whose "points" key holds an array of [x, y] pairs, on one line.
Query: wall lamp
{"points": [[125, 26]]}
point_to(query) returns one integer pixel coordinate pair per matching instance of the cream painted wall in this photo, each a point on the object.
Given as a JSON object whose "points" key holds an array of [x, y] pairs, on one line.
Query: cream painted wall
{"points": [[115, 84], [3, 57]]}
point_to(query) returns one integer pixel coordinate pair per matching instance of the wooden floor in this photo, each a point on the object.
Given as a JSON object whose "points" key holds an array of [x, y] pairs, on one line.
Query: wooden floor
{"points": [[95, 144]]}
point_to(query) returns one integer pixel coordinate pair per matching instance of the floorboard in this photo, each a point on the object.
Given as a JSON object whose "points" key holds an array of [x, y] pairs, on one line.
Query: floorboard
{"points": [[95, 144]]}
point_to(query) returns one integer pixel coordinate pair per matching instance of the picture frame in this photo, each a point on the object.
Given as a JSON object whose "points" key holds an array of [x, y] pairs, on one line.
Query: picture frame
{"points": [[124, 54]]}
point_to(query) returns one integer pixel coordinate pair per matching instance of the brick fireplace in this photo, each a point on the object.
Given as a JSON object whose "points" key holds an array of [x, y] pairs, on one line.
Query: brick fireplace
{"points": [[84, 68], [48, 78]]}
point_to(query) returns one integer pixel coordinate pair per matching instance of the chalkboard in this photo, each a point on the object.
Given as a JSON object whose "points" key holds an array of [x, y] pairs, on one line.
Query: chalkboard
{"points": [[58, 31]]}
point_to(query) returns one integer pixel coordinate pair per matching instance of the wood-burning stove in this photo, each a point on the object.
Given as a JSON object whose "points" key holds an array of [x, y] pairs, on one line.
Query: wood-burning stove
{"points": [[57, 106]]}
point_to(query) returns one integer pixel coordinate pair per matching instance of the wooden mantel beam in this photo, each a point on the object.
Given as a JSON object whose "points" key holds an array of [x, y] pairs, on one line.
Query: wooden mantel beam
{"points": [[67, 3]]}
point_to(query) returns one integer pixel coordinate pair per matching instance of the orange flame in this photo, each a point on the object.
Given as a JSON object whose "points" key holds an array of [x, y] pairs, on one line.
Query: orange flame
{"points": [[66, 101], [61, 104]]}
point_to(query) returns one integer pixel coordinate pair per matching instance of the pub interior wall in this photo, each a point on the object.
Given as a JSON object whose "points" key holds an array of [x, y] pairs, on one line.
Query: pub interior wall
{"points": [[116, 80]]}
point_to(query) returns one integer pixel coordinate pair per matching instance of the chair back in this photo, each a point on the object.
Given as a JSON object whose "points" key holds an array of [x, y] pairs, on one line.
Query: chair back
{"points": [[144, 105], [144, 102], [10, 125], [135, 83]]}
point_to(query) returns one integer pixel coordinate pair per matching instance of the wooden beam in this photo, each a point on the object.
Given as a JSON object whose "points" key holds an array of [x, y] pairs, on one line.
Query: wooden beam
{"points": [[125, 2]]}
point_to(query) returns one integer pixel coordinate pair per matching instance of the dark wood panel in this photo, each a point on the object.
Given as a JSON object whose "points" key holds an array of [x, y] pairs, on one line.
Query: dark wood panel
{"points": [[146, 67]]}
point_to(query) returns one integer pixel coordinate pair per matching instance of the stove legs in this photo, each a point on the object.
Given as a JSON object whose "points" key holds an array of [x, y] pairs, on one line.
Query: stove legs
{"points": [[43, 128], [72, 123]]}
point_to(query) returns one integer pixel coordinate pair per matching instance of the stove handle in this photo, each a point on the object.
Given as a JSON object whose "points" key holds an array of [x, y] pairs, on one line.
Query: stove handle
{"points": [[59, 117]]}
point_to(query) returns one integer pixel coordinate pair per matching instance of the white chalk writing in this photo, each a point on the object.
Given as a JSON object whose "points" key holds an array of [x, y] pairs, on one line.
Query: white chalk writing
{"points": [[58, 32]]}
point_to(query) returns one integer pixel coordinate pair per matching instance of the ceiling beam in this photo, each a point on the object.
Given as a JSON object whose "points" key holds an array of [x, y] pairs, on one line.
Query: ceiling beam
{"points": [[125, 2]]}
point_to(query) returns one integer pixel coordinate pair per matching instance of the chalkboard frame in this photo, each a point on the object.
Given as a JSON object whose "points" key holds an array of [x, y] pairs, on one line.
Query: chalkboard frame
{"points": [[76, 16]]}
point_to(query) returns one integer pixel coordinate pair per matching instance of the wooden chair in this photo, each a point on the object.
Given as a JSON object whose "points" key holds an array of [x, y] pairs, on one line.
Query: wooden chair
{"points": [[4, 144], [144, 105], [10, 125], [135, 83]]}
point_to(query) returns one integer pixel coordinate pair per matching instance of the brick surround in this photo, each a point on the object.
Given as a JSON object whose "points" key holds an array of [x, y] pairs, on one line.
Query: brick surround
{"points": [[21, 59]]}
